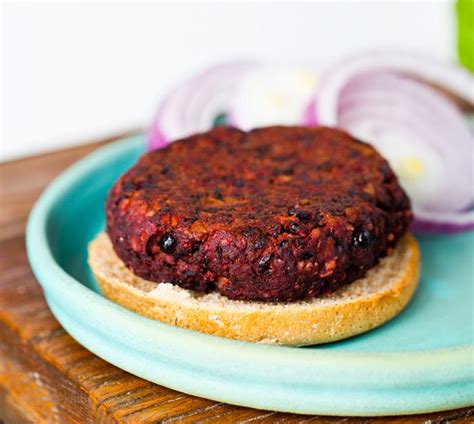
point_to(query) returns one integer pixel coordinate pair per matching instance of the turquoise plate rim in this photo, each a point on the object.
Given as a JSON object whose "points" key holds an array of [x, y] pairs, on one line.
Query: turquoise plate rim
{"points": [[300, 380]]}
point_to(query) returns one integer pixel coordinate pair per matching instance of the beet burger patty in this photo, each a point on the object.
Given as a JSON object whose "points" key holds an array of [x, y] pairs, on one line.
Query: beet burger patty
{"points": [[275, 214]]}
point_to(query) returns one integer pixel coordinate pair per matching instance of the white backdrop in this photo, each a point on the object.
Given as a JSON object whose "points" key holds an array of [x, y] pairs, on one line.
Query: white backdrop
{"points": [[74, 71]]}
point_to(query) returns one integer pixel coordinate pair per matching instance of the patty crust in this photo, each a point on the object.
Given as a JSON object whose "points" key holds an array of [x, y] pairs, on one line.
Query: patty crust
{"points": [[275, 214]]}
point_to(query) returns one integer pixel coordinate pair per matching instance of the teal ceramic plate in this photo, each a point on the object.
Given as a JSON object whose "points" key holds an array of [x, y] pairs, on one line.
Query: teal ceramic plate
{"points": [[421, 361]]}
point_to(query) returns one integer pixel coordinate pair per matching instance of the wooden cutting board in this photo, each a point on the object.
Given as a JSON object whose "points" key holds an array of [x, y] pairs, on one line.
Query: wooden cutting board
{"points": [[46, 377]]}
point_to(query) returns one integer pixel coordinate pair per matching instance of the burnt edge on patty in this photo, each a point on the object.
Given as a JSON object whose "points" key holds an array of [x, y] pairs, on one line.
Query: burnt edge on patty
{"points": [[275, 214]]}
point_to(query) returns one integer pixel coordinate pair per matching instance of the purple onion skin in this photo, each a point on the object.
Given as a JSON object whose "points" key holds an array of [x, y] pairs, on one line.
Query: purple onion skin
{"points": [[155, 139], [420, 226], [310, 117]]}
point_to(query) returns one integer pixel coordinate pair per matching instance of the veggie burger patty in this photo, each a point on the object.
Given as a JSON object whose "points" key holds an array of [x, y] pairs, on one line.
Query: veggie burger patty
{"points": [[274, 214]]}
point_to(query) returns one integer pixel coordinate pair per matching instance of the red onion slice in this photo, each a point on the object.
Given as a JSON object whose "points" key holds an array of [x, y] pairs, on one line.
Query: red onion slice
{"points": [[435, 222], [392, 113], [455, 79], [193, 106], [424, 136]]}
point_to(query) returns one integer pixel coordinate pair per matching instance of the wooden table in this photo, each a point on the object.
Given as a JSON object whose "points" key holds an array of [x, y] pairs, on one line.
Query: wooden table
{"points": [[46, 377]]}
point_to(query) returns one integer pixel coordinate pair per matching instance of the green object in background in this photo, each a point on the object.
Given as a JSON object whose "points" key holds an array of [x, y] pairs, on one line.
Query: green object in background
{"points": [[465, 16]]}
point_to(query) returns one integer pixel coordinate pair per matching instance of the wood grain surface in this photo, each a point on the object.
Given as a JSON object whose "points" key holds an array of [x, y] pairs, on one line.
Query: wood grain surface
{"points": [[46, 377]]}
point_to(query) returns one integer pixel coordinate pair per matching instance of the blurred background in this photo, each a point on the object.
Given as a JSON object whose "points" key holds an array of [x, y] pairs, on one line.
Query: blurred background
{"points": [[72, 72]]}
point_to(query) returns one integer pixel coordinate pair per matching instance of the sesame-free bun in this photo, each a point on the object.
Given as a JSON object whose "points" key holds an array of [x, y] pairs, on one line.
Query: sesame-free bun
{"points": [[354, 309]]}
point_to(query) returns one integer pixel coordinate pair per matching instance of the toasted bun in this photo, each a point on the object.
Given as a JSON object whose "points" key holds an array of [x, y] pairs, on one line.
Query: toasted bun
{"points": [[354, 309]]}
